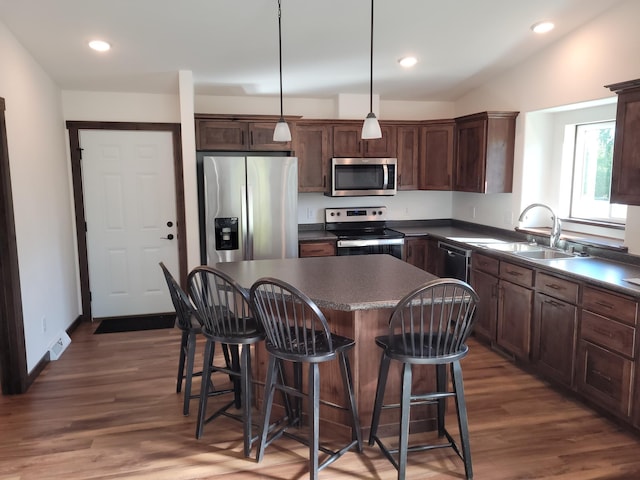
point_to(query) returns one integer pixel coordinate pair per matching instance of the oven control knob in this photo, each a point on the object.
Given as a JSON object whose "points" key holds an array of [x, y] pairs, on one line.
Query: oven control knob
{"points": [[380, 212], [374, 212], [332, 214]]}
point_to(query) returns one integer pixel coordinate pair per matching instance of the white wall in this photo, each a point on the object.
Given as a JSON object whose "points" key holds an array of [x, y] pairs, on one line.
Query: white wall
{"points": [[573, 70], [43, 208]]}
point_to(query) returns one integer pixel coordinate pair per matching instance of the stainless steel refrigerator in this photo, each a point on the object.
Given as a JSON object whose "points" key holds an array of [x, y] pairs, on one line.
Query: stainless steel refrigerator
{"points": [[248, 207]]}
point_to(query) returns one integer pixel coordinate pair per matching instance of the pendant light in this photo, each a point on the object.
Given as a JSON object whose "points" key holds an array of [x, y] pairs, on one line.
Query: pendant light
{"points": [[371, 127], [281, 132]]}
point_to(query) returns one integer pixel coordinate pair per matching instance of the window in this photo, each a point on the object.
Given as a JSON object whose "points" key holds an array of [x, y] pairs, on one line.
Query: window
{"points": [[593, 159]]}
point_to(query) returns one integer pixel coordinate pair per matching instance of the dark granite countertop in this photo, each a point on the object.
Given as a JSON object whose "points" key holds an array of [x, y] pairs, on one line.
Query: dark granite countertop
{"points": [[348, 283], [604, 272], [315, 235]]}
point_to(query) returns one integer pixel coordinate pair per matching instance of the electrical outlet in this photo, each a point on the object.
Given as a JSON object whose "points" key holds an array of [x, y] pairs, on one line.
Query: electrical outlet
{"points": [[473, 212], [309, 214], [44, 324]]}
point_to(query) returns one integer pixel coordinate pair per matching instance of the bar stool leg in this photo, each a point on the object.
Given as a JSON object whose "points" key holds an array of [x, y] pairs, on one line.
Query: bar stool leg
{"points": [[314, 420], [183, 350], [405, 407], [347, 382], [269, 389], [441, 386], [204, 387], [461, 407], [191, 353], [377, 405], [245, 366]]}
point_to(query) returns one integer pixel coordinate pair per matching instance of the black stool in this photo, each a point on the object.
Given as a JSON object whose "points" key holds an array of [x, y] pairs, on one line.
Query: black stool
{"points": [[429, 326], [222, 307], [298, 332]]}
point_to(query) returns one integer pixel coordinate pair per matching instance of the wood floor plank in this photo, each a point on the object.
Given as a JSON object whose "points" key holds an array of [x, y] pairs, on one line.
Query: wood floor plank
{"points": [[107, 409]]}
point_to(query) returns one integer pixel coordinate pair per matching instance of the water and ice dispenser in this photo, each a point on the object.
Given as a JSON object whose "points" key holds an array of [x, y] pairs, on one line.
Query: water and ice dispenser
{"points": [[226, 233]]}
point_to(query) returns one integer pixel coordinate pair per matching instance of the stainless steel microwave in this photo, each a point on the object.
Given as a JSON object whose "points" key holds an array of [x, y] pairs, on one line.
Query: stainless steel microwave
{"points": [[358, 177]]}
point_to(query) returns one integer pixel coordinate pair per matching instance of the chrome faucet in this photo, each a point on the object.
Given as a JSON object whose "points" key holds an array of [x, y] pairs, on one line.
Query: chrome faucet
{"points": [[557, 224]]}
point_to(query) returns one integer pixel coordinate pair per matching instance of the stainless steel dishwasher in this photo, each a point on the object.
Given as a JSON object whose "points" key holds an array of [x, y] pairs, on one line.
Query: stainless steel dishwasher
{"points": [[457, 261]]}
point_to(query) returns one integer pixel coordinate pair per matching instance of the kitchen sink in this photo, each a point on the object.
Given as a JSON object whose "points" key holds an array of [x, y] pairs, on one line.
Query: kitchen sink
{"points": [[513, 247], [545, 254]]}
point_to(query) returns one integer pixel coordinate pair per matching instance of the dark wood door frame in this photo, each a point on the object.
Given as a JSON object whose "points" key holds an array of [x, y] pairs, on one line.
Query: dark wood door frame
{"points": [[76, 171], [13, 355]]}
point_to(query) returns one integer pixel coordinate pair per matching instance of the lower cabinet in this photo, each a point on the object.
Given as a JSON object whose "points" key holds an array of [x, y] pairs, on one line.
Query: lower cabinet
{"points": [[416, 251], [484, 280], [515, 302], [316, 249], [554, 346], [555, 327], [607, 352]]}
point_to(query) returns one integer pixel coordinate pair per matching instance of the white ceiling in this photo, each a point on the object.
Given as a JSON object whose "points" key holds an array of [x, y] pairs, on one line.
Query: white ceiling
{"points": [[231, 46]]}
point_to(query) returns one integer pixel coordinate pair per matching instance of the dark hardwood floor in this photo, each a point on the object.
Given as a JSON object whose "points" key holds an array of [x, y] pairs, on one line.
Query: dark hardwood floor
{"points": [[107, 409]]}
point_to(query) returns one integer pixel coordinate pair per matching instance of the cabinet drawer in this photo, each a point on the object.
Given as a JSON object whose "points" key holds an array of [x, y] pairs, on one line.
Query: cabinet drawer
{"points": [[608, 333], [610, 305], [317, 249], [484, 263], [516, 274], [557, 287], [605, 378]]}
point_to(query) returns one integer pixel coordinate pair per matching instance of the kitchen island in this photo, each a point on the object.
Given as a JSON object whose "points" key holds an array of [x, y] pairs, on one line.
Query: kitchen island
{"points": [[356, 294]]}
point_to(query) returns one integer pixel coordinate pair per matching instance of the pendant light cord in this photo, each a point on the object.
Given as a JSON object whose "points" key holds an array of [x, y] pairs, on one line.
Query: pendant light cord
{"points": [[280, 53], [371, 64]]}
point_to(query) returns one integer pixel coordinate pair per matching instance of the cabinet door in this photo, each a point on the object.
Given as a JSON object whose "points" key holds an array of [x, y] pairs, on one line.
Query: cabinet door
{"points": [[605, 378], [625, 175], [436, 157], [347, 141], [486, 286], [317, 249], [416, 251], [514, 319], [312, 144], [221, 135], [384, 147], [471, 138], [408, 154], [555, 337], [435, 258], [261, 137]]}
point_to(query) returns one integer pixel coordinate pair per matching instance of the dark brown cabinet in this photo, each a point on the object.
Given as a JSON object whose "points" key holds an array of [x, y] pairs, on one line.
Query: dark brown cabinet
{"points": [[484, 152], [237, 135], [515, 302], [312, 146], [416, 251], [316, 249], [606, 351], [436, 156], [347, 141], [555, 327], [435, 258], [408, 155], [484, 280], [625, 175]]}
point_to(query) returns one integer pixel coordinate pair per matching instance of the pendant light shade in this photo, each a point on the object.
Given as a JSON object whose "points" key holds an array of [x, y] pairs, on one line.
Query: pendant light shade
{"points": [[371, 127], [281, 132]]}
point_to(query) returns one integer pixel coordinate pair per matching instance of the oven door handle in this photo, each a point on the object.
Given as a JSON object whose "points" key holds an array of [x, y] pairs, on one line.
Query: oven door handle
{"points": [[370, 242]]}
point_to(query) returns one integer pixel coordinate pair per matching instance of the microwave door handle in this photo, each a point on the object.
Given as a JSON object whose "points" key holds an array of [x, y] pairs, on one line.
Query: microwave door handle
{"points": [[385, 177]]}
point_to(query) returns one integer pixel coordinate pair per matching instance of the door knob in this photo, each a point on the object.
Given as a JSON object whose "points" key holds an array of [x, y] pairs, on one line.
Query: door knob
{"points": [[168, 237]]}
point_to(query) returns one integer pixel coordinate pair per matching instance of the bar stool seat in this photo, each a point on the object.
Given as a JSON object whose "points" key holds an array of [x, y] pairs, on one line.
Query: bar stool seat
{"points": [[429, 326], [298, 332]]}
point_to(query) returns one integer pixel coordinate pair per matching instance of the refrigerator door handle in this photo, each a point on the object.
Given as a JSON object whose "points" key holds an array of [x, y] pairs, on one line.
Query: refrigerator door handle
{"points": [[248, 199], [244, 222]]}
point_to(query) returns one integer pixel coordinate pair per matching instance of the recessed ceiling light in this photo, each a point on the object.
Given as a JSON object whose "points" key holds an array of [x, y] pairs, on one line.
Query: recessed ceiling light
{"points": [[542, 27], [99, 45], [408, 62]]}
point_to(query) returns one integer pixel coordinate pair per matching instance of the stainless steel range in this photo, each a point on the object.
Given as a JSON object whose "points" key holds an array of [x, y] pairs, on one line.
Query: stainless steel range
{"points": [[363, 231]]}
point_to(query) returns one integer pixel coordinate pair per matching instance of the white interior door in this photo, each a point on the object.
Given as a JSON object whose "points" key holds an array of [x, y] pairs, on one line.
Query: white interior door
{"points": [[130, 210]]}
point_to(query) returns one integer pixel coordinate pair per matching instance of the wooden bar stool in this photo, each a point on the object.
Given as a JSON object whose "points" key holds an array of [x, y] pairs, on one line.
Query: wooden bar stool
{"points": [[429, 326]]}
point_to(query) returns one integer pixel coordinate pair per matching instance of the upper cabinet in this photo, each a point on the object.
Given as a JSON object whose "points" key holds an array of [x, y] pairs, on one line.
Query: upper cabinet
{"points": [[312, 146], [231, 134], [625, 174], [347, 141], [484, 152], [408, 155], [436, 158]]}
